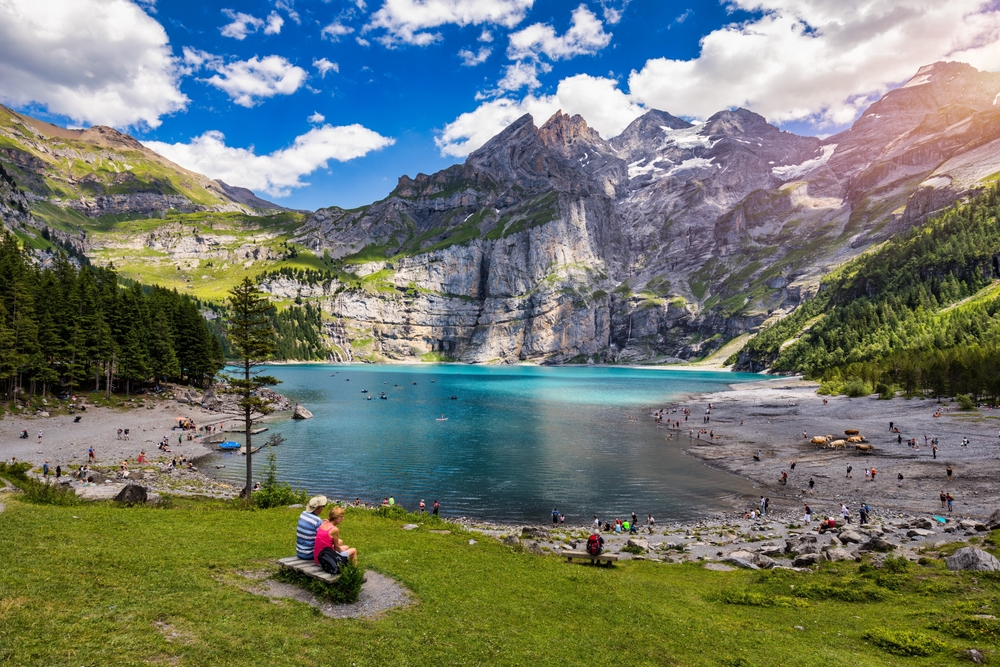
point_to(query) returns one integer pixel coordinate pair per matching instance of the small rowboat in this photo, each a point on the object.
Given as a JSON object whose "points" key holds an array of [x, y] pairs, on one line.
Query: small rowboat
{"points": [[229, 445], [442, 418]]}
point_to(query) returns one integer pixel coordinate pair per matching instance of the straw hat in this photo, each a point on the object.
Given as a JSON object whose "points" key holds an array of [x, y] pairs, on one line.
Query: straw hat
{"points": [[315, 503]]}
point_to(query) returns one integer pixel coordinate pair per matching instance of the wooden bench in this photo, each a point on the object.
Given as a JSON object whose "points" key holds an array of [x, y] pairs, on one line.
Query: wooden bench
{"points": [[307, 567], [583, 555]]}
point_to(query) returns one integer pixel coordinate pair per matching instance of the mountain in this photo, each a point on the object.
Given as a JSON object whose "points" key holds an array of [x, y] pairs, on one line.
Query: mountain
{"points": [[551, 243]]}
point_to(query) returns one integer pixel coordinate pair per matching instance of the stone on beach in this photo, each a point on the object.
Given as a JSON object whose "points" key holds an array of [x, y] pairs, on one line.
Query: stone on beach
{"points": [[132, 494], [973, 559]]}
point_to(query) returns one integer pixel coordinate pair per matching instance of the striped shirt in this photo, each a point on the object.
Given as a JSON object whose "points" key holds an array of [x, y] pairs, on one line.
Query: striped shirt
{"points": [[305, 534]]}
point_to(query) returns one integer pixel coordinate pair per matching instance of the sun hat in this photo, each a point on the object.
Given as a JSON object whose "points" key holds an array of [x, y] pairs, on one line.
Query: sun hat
{"points": [[315, 503]]}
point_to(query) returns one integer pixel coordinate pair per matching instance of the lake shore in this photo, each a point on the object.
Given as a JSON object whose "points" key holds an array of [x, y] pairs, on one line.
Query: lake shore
{"points": [[774, 413]]}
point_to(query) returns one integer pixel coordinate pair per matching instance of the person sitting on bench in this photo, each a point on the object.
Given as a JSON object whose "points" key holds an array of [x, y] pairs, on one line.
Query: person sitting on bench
{"points": [[328, 535], [309, 522]]}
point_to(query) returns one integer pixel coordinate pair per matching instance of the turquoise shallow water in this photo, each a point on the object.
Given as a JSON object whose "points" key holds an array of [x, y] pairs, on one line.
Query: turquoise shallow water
{"points": [[518, 441]]}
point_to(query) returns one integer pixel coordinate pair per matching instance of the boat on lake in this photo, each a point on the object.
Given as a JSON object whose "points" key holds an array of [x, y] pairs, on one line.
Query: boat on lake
{"points": [[229, 446]]}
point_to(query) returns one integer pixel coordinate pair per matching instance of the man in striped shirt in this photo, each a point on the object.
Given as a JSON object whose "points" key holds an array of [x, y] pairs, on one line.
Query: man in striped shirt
{"points": [[309, 521]]}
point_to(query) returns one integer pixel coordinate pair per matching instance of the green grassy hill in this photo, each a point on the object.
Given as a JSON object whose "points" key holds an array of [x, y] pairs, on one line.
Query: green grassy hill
{"points": [[174, 586]]}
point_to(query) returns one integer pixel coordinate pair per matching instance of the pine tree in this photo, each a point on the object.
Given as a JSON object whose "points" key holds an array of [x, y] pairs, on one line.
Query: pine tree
{"points": [[251, 336]]}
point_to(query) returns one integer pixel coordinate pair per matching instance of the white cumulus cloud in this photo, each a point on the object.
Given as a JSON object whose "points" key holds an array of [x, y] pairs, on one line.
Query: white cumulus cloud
{"points": [[517, 76], [276, 173], [607, 109], [585, 36], [406, 21], [118, 71], [317, 117], [241, 25], [249, 81], [335, 31], [471, 59], [323, 66], [274, 23], [817, 60]]}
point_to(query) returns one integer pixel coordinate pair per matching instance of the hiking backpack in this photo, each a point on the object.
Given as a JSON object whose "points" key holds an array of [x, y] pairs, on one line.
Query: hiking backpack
{"points": [[331, 561], [594, 545]]}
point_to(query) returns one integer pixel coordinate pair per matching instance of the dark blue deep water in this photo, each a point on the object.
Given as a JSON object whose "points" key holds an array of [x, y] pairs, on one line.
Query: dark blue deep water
{"points": [[518, 441]]}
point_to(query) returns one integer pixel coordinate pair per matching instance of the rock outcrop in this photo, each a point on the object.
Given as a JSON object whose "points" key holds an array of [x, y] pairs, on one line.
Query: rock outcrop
{"points": [[300, 412], [973, 559]]}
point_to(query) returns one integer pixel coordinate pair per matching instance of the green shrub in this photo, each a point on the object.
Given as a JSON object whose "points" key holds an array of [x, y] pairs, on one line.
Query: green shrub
{"points": [[391, 512], [965, 402], [633, 549], [35, 491], [345, 590], [856, 388], [897, 565], [273, 493], [974, 628], [846, 591], [757, 599], [904, 642]]}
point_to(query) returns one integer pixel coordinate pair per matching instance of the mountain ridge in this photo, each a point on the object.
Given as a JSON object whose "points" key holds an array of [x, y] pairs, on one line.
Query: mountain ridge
{"points": [[553, 244]]}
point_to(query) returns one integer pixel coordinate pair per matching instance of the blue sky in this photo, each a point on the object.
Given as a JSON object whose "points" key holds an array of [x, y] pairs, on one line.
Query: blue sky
{"points": [[314, 103]]}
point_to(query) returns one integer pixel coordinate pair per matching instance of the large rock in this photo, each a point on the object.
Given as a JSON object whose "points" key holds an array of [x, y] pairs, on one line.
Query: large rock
{"points": [[301, 413], [511, 540], [877, 544], [807, 560], [848, 536], [534, 531], [919, 532], [740, 562], [96, 477], [994, 521], [971, 558], [838, 555], [763, 562], [534, 548], [132, 494], [922, 523], [638, 542]]}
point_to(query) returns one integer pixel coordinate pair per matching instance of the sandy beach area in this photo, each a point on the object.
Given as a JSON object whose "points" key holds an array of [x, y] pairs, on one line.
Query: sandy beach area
{"points": [[775, 412]]}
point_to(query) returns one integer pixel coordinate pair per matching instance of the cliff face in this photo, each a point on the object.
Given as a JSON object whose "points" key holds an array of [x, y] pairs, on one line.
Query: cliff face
{"points": [[552, 243]]}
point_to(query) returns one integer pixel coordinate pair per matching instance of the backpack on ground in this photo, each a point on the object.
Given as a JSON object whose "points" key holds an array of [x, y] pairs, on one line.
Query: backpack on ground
{"points": [[331, 561], [594, 545]]}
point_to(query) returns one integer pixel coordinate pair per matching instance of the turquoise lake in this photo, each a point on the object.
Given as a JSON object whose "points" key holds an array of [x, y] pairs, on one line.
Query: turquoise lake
{"points": [[518, 440]]}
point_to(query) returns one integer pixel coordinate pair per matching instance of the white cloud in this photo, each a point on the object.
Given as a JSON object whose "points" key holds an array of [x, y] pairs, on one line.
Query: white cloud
{"points": [[324, 66], [518, 76], [405, 21], [613, 10], [362, 41], [94, 61], [486, 36], [274, 23], [241, 26], [816, 60], [317, 117], [335, 31], [276, 173], [470, 59], [287, 6], [248, 81], [585, 36], [606, 109]]}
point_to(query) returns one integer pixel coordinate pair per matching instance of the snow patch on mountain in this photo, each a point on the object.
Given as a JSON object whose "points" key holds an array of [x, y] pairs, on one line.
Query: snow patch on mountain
{"points": [[791, 171]]}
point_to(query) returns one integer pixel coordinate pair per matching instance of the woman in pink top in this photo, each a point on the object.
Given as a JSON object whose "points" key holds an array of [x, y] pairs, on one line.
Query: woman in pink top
{"points": [[328, 535]]}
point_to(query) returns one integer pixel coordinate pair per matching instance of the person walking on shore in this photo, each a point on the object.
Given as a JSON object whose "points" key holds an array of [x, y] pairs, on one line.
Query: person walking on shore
{"points": [[949, 498], [90, 454], [890, 427], [899, 479], [868, 474], [555, 516], [45, 469], [934, 451], [39, 435], [873, 473], [812, 483], [808, 514], [422, 505], [863, 515], [437, 508], [849, 469], [948, 472], [944, 499]]}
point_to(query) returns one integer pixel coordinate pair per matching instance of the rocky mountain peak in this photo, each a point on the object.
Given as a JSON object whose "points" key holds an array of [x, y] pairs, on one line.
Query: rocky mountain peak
{"points": [[109, 137], [738, 121], [561, 131]]}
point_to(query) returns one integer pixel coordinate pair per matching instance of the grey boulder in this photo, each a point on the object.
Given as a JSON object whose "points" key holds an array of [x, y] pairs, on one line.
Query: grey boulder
{"points": [[807, 560], [972, 559], [301, 413], [132, 494]]}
